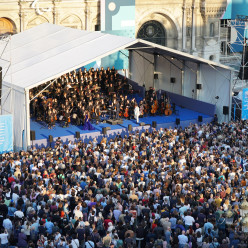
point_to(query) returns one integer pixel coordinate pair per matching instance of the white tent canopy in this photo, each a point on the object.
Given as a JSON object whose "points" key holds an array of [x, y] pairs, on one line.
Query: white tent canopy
{"points": [[48, 51]]}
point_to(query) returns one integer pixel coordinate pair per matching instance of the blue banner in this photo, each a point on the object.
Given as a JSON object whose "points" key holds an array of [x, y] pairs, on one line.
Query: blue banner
{"points": [[118, 18], [235, 8], [6, 133], [245, 104], [238, 33]]}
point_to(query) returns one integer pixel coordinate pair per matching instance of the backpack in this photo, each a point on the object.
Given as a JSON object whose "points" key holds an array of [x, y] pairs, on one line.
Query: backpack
{"points": [[99, 225], [92, 219], [158, 243]]}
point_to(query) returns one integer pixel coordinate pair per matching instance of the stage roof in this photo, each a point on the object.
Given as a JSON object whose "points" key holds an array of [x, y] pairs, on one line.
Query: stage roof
{"points": [[47, 51]]}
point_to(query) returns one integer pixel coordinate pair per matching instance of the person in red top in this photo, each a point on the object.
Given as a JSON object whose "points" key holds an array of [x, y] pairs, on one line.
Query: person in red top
{"points": [[106, 223], [11, 179], [201, 200], [155, 223]]}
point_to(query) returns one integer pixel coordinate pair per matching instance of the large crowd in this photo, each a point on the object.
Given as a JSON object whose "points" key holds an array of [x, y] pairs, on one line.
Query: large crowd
{"points": [[156, 189]]}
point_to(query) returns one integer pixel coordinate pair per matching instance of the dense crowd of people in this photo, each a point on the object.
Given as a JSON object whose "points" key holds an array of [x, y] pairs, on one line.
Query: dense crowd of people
{"points": [[156, 189]]}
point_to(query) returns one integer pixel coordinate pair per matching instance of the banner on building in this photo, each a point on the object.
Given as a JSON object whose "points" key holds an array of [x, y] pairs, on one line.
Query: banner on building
{"points": [[6, 133], [245, 104], [118, 18]]}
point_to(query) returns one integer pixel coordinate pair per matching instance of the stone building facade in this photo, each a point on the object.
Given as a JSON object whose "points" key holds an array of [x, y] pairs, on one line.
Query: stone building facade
{"points": [[192, 26]]}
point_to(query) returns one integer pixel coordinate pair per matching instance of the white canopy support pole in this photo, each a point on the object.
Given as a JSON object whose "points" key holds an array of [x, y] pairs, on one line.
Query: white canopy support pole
{"points": [[42, 90], [219, 72], [130, 72], [197, 81], [154, 70], [182, 78], [27, 102]]}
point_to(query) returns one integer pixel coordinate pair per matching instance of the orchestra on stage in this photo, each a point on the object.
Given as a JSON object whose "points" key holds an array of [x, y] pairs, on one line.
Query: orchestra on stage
{"points": [[82, 96]]}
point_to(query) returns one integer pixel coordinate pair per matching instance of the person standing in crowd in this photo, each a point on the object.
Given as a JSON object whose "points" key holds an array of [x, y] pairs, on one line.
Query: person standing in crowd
{"points": [[4, 238]]}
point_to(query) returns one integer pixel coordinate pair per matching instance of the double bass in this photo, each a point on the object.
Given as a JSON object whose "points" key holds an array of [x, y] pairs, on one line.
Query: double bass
{"points": [[154, 107], [168, 110]]}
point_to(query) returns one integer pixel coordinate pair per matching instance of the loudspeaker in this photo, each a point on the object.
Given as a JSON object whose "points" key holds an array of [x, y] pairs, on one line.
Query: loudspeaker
{"points": [[50, 138], [199, 118], [154, 124], [225, 110], [173, 80], [156, 76], [198, 86], [77, 135], [97, 27], [130, 127], [32, 135], [177, 121], [104, 130]]}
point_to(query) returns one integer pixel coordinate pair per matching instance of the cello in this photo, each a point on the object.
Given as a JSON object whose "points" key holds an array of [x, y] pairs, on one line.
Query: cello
{"points": [[126, 113], [154, 107], [168, 110]]}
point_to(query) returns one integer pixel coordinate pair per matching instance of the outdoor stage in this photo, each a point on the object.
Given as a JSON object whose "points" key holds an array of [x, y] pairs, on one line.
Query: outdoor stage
{"points": [[42, 133]]}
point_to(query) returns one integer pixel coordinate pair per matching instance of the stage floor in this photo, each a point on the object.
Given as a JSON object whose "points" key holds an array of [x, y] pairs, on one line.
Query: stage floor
{"points": [[186, 117]]}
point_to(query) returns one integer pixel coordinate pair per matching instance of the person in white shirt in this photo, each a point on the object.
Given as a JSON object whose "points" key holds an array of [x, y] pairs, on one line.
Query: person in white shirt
{"points": [[183, 240], [19, 214], [188, 220], [78, 213], [4, 239], [7, 224], [136, 113]]}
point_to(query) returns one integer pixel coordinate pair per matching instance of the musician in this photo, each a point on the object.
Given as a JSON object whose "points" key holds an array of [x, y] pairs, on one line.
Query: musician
{"points": [[54, 116], [126, 111], [141, 109], [87, 125], [49, 118], [67, 118], [111, 89], [113, 109], [34, 107], [125, 87], [97, 113], [117, 113], [131, 108], [162, 105]]}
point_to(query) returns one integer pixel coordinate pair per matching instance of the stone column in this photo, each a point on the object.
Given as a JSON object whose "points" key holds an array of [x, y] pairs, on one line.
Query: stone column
{"points": [[193, 30], [22, 16], [55, 12], [55, 16], [184, 29]]}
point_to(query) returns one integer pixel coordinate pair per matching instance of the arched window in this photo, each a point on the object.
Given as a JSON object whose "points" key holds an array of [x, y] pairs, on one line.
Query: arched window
{"points": [[153, 31], [211, 29], [7, 26]]}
